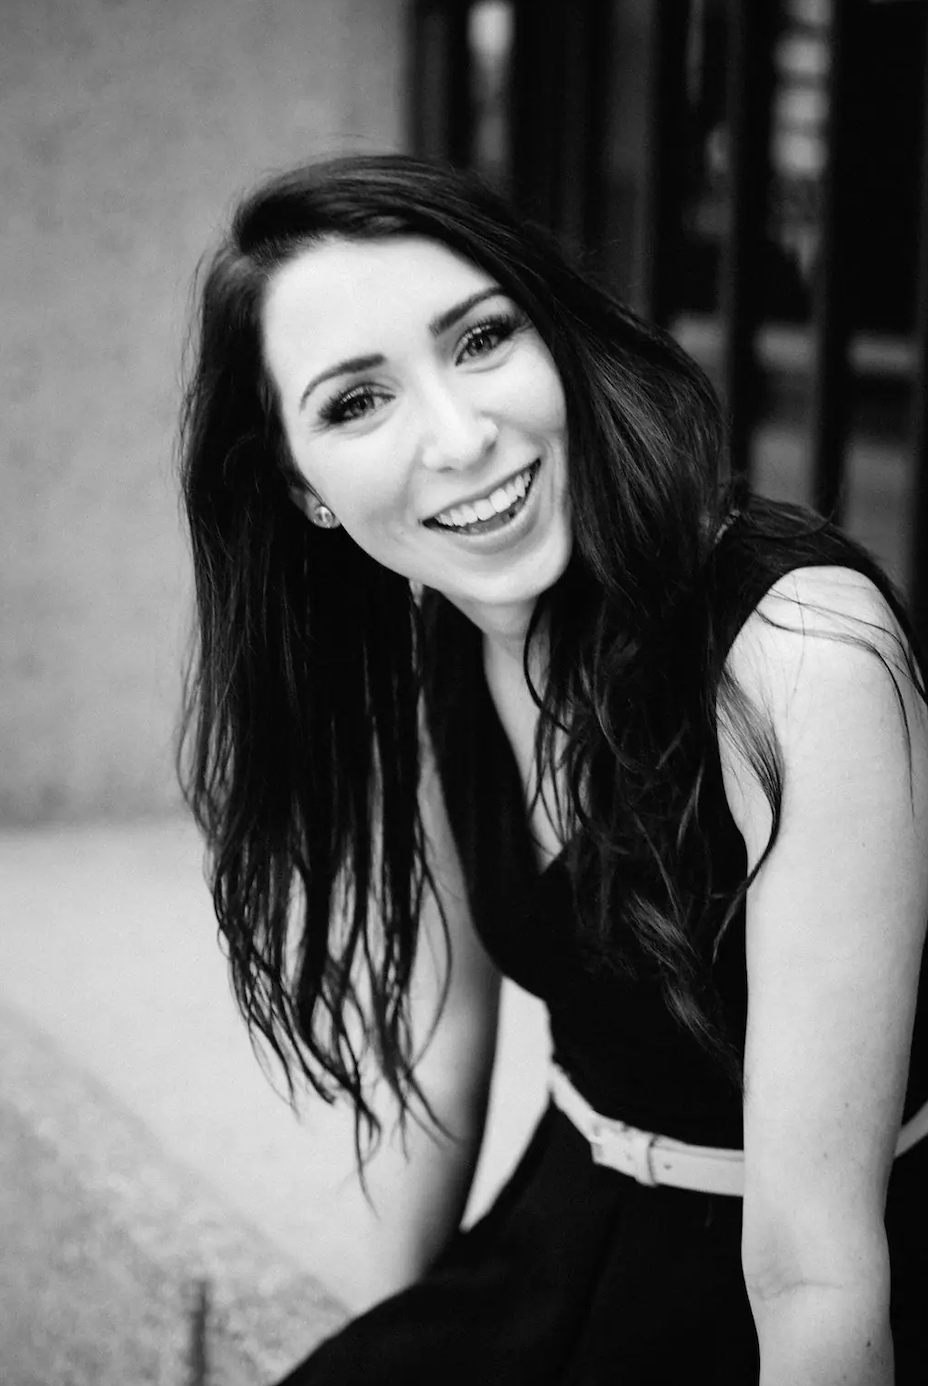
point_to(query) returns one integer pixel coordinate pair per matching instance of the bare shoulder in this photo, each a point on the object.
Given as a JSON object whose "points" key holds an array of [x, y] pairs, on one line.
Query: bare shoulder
{"points": [[824, 663], [830, 614]]}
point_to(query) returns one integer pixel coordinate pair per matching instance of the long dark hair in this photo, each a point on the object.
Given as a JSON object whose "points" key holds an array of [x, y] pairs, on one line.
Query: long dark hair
{"points": [[300, 745]]}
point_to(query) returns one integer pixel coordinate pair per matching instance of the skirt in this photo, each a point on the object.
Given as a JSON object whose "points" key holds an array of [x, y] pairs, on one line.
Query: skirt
{"points": [[579, 1276]]}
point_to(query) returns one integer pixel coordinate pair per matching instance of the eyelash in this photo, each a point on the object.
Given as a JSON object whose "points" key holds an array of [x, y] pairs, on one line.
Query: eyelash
{"points": [[505, 325]]}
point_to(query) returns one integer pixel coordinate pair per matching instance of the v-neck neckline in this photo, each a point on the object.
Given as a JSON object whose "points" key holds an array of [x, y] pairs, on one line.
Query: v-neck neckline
{"points": [[510, 772]]}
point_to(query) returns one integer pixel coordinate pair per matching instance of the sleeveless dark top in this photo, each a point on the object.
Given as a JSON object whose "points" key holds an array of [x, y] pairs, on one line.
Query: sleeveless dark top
{"points": [[577, 1273], [615, 1036]]}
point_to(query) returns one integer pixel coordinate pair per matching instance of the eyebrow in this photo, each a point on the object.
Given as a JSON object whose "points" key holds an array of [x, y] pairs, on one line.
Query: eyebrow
{"points": [[438, 325]]}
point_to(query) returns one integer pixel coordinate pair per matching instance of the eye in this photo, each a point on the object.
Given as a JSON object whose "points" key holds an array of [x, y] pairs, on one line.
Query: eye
{"points": [[485, 336], [352, 404]]}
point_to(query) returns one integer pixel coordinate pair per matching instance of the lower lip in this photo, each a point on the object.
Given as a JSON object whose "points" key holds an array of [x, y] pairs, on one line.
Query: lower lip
{"points": [[506, 534]]}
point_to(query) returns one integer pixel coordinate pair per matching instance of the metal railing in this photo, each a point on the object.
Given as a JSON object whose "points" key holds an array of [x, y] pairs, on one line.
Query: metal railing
{"points": [[556, 65]]}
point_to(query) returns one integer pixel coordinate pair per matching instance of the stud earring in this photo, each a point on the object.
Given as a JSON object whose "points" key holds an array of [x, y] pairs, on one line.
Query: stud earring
{"points": [[324, 517]]}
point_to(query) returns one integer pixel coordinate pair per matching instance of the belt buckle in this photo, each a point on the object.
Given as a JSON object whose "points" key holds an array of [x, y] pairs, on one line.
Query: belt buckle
{"points": [[632, 1146]]}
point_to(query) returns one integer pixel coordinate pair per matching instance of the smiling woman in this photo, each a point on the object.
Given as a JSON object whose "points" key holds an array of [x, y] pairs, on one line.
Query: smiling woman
{"points": [[494, 676], [441, 396]]}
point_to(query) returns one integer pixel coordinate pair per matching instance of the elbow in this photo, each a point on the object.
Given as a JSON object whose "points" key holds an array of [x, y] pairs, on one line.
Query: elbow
{"points": [[856, 1267]]}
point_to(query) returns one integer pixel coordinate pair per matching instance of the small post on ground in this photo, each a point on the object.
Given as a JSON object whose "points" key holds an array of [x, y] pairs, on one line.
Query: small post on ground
{"points": [[197, 1340]]}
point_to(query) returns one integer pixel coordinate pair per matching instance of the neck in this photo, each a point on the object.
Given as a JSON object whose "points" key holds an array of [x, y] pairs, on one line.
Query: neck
{"points": [[503, 656], [504, 628]]}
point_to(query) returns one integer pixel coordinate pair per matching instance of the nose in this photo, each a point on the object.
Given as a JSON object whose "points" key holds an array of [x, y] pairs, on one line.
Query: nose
{"points": [[455, 435]]}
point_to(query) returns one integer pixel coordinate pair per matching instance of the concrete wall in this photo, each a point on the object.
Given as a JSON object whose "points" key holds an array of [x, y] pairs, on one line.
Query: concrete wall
{"points": [[129, 126]]}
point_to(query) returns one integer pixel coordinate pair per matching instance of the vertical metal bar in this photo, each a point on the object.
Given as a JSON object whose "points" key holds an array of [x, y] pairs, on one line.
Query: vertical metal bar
{"points": [[831, 316], [663, 182], [599, 67], [752, 33], [440, 113], [460, 115], [918, 539], [558, 113], [426, 115], [417, 106], [572, 133], [579, 52], [535, 105]]}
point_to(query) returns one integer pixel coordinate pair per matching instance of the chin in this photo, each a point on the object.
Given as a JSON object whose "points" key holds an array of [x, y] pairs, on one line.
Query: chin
{"points": [[524, 593]]}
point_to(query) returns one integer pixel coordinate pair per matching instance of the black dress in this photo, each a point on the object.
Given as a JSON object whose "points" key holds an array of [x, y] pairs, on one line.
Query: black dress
{"points": [[578, 1275]]}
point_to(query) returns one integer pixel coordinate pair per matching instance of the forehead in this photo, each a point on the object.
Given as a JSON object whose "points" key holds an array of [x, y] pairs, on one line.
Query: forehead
{"points": [[344, 296]]}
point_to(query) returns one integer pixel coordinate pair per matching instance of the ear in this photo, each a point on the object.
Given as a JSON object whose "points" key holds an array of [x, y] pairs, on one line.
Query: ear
{"points": [[304, 499]]}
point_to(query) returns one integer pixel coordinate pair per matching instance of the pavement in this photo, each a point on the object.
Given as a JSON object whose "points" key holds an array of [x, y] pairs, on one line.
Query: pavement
{"points": [[165, 1217]]}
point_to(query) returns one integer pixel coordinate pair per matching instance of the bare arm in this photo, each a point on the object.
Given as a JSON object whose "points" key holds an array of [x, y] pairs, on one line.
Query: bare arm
{"points": [[835, 928], [419, 1193]]}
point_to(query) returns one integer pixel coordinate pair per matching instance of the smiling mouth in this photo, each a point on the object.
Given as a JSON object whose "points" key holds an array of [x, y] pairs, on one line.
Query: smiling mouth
{"points": [[492, 512]]}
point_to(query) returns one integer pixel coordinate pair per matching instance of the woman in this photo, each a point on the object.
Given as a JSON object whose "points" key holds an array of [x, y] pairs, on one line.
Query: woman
{"points": [[494, 677]]}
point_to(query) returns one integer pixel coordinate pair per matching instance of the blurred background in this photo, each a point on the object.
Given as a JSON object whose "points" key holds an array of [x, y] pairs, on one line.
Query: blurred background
{"points": [[752, 176]]}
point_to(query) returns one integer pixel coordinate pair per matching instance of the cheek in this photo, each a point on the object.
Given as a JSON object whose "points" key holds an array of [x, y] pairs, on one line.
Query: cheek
{"points": [[541, 396], [358, 484]]}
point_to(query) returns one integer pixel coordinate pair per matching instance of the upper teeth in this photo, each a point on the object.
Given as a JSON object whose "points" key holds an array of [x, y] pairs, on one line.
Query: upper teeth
{"points": [[494, 504]]}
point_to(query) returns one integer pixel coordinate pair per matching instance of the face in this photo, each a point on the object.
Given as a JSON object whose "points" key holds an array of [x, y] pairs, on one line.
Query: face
{"points": [[423, 408]]}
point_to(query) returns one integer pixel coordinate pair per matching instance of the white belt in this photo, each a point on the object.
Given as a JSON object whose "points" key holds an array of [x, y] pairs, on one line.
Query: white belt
{"points": [[653, 1159]]}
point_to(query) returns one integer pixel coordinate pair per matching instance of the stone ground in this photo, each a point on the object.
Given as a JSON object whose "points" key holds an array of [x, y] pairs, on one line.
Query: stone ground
{"points": [[143, 1151], [106, 1243]]}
